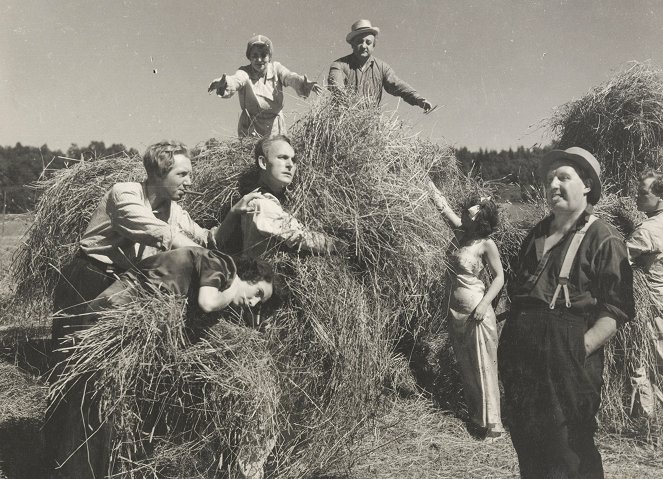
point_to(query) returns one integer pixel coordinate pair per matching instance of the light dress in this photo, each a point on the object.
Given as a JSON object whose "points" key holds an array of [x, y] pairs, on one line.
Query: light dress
{"points": [[474, 342]]}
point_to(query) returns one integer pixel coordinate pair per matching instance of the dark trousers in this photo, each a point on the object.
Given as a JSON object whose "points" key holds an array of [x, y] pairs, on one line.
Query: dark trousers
{"points": [[559, 452], [79, 445], [552, 393], [81, 281]]}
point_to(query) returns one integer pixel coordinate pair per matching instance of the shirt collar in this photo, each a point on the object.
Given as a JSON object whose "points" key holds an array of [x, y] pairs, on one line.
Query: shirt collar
{"points": [[269, 73], [543, 226], [366, 65]]}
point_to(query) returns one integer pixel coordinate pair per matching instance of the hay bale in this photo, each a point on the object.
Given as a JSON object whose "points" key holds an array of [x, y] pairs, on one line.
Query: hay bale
{"points": [[620, 122], [334, 344], [175, 403]]}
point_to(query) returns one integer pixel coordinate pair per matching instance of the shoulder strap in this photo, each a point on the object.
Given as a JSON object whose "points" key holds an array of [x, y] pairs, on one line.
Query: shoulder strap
{"points": [[565, 270]]}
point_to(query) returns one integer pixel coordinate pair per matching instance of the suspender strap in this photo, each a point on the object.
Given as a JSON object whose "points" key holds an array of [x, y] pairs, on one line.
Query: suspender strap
{"points": [[564, 272]]}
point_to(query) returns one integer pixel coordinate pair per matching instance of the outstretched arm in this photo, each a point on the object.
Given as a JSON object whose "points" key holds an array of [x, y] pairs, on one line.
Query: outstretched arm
{"points": [[227, 85], [492, 258], [397, 87], [300, 83], [443, 205]]}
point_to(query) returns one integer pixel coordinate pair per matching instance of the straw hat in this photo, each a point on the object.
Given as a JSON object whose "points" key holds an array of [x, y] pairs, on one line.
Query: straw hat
{"points": [[361, 27], [259, 40], [578, 157]]}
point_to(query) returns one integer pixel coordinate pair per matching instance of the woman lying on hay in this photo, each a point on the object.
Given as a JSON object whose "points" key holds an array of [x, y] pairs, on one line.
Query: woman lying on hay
{"points": [[213, 282]]}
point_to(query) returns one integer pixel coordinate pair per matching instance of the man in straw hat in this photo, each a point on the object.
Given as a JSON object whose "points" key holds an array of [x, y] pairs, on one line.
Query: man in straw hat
{"points": [[368, 75], [573, 287], [645, 250]]}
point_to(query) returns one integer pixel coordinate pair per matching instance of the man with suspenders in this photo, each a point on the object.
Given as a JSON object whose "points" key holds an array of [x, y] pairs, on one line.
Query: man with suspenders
{"points": [[573, 287]]}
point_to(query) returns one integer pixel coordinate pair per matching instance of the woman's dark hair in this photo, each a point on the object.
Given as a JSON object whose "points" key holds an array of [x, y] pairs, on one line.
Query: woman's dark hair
{"points": [[487, 219], [254, 270]]}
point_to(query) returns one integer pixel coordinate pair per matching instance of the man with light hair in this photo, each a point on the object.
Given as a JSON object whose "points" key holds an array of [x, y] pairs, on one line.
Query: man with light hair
{"points": [[135, 220], [368, 75], [269, 227], [645, 250], [573, 287]]}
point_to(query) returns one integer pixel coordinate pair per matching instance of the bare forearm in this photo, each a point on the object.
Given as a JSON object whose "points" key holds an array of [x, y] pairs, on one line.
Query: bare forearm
{"points": [[494, 289], [599, 334]]}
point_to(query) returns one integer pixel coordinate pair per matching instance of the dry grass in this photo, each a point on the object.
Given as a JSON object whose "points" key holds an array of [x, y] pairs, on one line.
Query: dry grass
{"points": [[620, 122], [362, 180]]}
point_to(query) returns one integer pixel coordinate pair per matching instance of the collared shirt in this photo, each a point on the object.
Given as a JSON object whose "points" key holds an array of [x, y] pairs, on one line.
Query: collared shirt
{"points": [[370, 80], [600, 280], [124, 229], [645, 250], [261, 97], [270, 226]]}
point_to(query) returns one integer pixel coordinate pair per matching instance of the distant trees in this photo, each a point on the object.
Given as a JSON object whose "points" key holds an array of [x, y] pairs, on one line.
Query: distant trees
{"points": [[22, 165], [509, 166]]}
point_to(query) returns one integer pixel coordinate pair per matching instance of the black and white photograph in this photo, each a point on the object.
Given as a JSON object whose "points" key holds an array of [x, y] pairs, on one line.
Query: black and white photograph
{"points": [[390, 239]]}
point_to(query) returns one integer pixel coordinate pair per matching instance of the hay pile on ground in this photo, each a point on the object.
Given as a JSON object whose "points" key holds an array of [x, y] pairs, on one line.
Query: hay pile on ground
{"points": [[620, 122], [334, 342]]}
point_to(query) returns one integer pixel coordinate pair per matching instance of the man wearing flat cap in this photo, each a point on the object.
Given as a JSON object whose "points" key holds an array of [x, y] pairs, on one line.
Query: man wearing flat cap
{"points": [[573, 287], [367, 75]]}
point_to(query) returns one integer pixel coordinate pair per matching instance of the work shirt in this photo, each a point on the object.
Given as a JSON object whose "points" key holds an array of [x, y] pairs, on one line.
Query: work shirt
{"points": [[261, 97], [370, 80], [270, 226], [600, 280], [645, 249], [124, 228]]}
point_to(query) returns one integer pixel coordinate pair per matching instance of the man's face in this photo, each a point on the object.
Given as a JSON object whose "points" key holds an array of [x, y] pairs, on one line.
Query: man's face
{"points": [[173, 185], [279, 165], [250, 294], [259, 58], [647, 201], [565, 190], [362, 46]]}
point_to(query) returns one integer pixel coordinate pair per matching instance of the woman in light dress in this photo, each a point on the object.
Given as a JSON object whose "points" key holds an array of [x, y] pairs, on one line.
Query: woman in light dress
{"points": [[473, 326], [259, 87]]}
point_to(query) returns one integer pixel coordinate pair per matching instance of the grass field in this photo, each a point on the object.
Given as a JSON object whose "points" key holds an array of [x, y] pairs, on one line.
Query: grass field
{"points": [[410, 439]]}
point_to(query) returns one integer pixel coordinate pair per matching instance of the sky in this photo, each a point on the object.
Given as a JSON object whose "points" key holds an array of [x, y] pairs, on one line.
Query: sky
{"points": [[137, 71]]}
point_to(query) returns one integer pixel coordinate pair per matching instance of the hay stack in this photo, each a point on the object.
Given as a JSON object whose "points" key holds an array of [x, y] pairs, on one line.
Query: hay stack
{"points": [[620, 122], [362, 180]]}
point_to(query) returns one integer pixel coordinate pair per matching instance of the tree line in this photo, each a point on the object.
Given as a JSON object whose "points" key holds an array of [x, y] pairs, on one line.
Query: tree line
{"points": [[21, 166]]}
